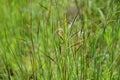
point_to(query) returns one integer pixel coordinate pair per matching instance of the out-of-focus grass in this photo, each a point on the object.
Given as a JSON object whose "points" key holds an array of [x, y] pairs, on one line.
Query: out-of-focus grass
{"points": [[36, 43]]}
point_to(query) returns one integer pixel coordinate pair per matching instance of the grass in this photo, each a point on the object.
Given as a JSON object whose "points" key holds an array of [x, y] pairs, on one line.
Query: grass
{"points": [[36, 43]]}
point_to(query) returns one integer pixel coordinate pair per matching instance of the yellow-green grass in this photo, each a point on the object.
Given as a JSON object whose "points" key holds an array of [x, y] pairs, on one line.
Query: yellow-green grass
{"points": [[37, 43]]}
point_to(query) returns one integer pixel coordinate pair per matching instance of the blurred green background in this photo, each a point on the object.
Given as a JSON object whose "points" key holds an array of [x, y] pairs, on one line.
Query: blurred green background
{"points": [[36, 42]]}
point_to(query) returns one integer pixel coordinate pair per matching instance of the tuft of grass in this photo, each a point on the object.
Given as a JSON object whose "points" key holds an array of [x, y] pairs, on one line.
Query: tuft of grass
{"points": [[36, 42]]}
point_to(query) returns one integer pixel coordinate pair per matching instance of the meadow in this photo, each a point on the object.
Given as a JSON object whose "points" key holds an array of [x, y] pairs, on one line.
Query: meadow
{"points": [[37, 43]]}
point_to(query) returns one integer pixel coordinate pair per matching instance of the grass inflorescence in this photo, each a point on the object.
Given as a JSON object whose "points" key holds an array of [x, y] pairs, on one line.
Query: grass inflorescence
{"points": [[50, 40]]}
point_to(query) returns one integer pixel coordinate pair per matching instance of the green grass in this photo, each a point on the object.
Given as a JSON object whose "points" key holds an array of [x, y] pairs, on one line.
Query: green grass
{"points": [[36, 43]]}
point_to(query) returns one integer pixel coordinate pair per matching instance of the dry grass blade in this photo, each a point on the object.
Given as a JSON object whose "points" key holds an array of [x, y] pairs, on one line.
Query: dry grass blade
{"points": [[77, 43], [43, 6], [50, 58]]}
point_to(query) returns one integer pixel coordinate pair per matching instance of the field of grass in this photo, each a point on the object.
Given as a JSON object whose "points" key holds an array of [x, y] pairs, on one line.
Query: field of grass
{"points": [[36, 43]]}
